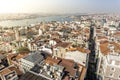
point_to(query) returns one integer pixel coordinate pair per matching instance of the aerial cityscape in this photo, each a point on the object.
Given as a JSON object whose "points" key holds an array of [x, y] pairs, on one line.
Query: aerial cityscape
{"points": [[59, 40]]}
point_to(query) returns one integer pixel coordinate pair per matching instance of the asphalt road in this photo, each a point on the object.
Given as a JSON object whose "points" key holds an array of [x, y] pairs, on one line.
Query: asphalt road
{"points": [[91, 71]]}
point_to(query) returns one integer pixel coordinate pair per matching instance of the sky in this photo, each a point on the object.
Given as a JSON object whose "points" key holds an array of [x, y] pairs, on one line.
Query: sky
{"points": [[59, 6]]}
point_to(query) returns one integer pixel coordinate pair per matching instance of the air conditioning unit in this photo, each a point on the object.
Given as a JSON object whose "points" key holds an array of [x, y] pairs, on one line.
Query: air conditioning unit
{"points": [[51, 68], [58, 73], [51, 76], [45, 67], [48, 72], [41, 70]]}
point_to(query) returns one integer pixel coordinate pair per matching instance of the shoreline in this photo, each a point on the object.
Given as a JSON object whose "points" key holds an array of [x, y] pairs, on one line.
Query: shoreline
{"points": [[35, 20]]}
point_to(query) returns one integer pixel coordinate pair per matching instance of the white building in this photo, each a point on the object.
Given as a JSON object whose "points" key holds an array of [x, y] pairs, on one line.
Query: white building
{"points": [[40, 32], [77, 56], [108, 56], [31, 60]]}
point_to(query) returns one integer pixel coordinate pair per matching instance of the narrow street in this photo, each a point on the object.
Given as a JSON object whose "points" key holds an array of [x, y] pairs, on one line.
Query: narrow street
{"points": [[91, 71]]}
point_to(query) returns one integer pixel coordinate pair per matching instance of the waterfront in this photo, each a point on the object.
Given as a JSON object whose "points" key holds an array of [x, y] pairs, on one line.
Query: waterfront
{"points": [[26, 22]]}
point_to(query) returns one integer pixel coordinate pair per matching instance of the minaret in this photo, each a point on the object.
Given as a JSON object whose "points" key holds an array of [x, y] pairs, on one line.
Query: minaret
{"points": [[40, 32], [17, 35]]}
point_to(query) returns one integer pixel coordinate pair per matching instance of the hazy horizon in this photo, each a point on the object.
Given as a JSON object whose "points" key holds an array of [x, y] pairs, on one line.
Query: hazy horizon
{"points": [[59, 6]]}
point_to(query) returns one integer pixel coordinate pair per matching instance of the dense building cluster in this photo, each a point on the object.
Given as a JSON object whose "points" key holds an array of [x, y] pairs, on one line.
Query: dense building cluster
{"points": [[60, 50], [52, 50]]}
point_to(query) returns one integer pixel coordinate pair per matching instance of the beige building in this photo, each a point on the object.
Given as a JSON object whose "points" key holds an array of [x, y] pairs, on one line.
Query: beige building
{"points": [[61, 49], [108, 55], [10, 73]]}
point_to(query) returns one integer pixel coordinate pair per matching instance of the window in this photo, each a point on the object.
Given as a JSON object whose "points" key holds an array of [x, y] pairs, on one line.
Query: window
{"points": [[61, 55], [56, 54], [113, 69], [111, 74], [113, 62], [119, 76], [110, 79]]}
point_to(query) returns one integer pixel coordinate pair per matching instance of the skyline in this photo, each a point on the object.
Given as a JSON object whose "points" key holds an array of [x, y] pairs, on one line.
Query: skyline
{"points": [[59, 6]]}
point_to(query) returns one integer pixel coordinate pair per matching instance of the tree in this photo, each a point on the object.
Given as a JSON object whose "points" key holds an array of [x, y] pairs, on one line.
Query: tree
{"points": [[23, 50]]}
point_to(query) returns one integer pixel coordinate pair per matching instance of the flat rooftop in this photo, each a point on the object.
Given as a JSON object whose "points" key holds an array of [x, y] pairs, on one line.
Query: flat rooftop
{"points": [[34, 57], [31, 76]]}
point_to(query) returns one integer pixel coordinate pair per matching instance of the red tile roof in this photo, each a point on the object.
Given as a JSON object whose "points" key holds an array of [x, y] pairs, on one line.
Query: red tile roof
{"points": [[79, 49], [68, 65], [9, 69], [117, 33], [102, 37], [63, 44], [104, 47], [52, 61]]}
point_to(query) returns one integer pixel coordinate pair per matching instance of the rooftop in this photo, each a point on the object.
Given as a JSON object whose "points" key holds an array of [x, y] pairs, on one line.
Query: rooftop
{"points": [[10, 69], [83, 50], [34, 57], [77, 56], [52, 61], [69, 67], [117, 33], [31, 76], [105, 48], [63, 44]]}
